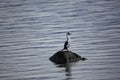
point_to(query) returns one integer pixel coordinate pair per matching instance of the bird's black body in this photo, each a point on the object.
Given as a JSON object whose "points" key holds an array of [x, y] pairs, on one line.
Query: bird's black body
{"points": [[67, 42], [65, 45]]}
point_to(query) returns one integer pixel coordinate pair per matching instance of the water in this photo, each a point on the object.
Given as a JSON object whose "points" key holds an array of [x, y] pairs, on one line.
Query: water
{"points": [[33, 30]]}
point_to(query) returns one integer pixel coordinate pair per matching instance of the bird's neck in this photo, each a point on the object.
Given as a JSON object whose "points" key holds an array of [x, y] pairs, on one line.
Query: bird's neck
{"points": [[68, 38]]}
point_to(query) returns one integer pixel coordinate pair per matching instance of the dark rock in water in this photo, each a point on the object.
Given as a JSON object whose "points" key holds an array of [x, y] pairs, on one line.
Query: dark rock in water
{"points": [[62, 57]]}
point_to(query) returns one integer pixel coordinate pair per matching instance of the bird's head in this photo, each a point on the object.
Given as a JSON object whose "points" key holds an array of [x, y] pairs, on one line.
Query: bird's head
{"points": [[68, 33]]}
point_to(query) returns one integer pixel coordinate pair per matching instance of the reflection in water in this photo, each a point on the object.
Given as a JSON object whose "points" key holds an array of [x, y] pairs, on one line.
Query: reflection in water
{"points": [[68, 70], [67, 67]]}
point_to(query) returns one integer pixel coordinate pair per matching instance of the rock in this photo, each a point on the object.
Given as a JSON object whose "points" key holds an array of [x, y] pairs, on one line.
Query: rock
{"points": [[62, 57]]}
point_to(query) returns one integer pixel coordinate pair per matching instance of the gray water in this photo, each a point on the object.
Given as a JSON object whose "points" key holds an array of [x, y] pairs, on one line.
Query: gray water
{"points": [[33, 30]]}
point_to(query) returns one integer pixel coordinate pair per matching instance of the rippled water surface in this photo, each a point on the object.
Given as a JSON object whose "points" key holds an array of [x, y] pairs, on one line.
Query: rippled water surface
{"points": [[33, 30]]}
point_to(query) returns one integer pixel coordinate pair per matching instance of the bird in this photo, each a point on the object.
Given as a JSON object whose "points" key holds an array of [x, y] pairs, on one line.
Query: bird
{"points": [[67, 42]]}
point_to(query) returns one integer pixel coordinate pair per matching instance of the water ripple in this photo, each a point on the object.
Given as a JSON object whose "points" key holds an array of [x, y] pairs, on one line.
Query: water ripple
{"points": [[32, 31]]}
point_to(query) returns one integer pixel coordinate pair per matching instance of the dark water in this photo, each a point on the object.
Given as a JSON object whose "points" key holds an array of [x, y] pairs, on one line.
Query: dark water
{"points": [[33, 30]]}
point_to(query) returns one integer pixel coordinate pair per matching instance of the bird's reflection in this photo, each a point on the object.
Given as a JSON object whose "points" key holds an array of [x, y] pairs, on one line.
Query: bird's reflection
{"points": [[68, 70]]}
